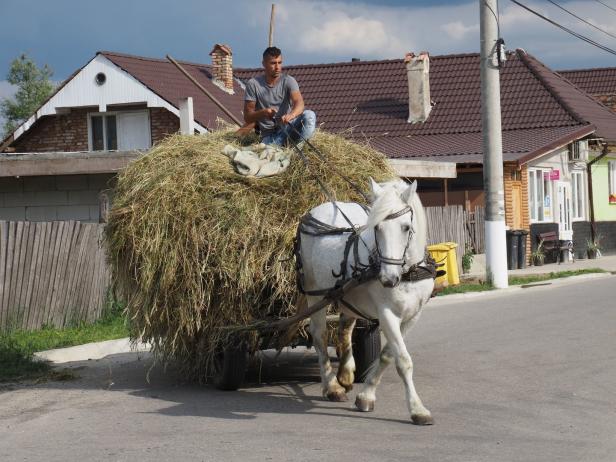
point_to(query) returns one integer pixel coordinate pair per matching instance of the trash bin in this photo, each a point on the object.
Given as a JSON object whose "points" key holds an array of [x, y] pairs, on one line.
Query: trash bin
{"points": [[522, 248], [512, 249], [445, 253]]}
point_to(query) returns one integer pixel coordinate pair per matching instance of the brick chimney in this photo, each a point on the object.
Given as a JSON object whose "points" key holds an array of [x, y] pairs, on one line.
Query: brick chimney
{"points": [[418, 74], [222, 66]]}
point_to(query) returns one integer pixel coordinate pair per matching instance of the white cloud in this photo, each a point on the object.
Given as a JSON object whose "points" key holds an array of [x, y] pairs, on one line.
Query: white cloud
{"points": [[350, 35], [457, 30]]}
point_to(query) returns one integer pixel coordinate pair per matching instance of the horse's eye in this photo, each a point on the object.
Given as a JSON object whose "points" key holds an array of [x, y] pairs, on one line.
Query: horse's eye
{"points": [[406, 228]]}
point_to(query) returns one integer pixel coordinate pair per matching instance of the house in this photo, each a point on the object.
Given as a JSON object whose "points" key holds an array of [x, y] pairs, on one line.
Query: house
{"points": [[59, 164], [551, 130], [600, 83]]}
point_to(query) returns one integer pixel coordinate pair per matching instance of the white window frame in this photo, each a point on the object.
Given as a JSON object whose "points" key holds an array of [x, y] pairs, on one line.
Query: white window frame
{"points": [[533, 204], [578, 196], [611, 178], [116, 114]]}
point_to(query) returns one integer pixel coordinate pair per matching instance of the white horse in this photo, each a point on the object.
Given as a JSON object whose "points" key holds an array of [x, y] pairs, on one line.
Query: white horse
{"points": [[394, 231]]}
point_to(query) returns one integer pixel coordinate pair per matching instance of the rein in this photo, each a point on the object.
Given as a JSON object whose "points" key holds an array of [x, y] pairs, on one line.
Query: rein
{"points": [[361, 273]]}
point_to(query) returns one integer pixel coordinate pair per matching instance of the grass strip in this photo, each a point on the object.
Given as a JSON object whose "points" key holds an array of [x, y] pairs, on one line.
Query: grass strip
{"points": [[17, 348], [517, 281]]}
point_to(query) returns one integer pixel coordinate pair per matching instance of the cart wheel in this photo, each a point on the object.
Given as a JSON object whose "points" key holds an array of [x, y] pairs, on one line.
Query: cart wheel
{"points": [[366, 347], [230, 368]]}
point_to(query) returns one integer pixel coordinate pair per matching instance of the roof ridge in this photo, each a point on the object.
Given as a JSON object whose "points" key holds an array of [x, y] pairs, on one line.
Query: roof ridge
{"points": [[588, 69], [526, 58], [358, 63], [147, 58]]}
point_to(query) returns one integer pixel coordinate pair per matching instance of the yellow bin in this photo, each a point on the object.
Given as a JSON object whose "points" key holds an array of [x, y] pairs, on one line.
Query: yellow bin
{"points": [[445, 253]]}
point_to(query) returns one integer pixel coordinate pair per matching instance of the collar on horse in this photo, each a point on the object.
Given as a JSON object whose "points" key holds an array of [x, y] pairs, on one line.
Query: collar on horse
{"points": [[424, 269]]}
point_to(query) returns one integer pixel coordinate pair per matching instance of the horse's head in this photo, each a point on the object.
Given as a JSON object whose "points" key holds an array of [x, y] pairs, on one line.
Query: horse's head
{"points": [[398, 219]]}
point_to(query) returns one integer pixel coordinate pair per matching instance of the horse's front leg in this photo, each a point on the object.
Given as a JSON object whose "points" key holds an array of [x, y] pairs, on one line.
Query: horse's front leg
{"points": [[346, 369], [318, 329], [367, 397], [391, 327]]}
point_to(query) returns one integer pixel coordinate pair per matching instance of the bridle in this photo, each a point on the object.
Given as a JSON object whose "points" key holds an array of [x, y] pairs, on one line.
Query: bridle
{"points": [[395, 261]]}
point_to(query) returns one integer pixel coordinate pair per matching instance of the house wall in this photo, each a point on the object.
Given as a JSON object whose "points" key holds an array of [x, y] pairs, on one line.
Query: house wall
{"points": [[604, 211], [69, 132], [510, 180], [50, 198], [64, 133]]}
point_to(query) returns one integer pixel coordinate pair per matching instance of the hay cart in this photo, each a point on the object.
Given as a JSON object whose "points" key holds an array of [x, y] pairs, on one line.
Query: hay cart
{"points": [[231, 364]]}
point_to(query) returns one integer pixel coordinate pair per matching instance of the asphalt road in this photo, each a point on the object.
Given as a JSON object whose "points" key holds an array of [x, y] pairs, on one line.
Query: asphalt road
{"points": [[526, 376]]}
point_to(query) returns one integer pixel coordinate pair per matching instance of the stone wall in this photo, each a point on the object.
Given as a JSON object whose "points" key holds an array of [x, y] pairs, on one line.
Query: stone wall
{"points": [[50, 198]]}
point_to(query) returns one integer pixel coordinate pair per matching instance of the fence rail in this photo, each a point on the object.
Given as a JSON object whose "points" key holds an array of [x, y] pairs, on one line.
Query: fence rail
{"points": [[51, 273]]}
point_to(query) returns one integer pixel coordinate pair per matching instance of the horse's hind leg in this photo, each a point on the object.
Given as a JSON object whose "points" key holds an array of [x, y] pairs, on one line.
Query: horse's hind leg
{"points": [[318, 329], [346, 369], [390, 325]]}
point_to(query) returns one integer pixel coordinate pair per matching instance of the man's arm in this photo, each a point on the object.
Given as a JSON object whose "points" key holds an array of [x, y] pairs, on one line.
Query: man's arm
{"points": [[297, 102], [251, 115]]}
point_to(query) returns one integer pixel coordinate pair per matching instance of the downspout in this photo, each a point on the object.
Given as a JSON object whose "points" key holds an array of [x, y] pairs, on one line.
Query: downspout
{"points": [[593, 231]]}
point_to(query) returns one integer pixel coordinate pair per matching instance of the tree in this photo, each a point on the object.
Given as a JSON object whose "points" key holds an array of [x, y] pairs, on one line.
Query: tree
{"points": [[33, 87]]}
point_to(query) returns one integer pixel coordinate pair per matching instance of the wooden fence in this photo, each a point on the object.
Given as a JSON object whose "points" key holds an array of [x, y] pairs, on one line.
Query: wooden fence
{"points": [[453, 224], [51, 273]]}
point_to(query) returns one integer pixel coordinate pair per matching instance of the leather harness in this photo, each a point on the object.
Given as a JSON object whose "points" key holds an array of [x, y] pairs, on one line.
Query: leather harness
{"points": [[424, 269]]}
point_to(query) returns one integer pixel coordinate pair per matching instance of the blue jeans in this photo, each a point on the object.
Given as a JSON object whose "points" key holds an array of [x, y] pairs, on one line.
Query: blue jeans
{"points": [[305, 124]]}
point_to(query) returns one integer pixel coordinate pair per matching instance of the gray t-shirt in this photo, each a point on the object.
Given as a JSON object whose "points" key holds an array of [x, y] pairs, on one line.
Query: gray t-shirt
{"points": [[277, 96]]}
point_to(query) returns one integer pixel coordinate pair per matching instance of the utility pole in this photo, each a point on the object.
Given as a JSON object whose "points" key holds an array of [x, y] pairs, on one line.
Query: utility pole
{"points": [[271, 28], [496, 242]]}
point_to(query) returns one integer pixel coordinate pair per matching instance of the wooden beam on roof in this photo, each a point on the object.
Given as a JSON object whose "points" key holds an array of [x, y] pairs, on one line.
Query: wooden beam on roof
{"points": [[412, 168]]}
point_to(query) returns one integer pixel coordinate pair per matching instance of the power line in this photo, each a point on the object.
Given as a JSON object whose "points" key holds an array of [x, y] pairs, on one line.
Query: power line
{"points": [[581, 19], [566, 29], [606, 5]]}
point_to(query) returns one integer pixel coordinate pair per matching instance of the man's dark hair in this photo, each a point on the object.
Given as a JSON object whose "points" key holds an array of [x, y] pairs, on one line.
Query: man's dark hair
{"points": [[271, 52]]}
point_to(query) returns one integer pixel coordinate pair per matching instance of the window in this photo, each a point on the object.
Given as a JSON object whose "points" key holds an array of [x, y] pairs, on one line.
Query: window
{"points": [[611, 168], [540, 194], [123, 131], [578, 195]]}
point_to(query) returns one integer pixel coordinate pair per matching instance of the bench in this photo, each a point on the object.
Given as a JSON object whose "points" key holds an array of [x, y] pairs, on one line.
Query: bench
{"points": [[552, 245]]}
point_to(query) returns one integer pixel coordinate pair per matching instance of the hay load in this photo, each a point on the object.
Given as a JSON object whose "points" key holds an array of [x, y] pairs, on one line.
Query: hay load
{"points": [[195, 246]]}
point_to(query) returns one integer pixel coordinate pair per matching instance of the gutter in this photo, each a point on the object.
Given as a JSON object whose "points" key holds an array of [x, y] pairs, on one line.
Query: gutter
{"points": [[560, 143]]}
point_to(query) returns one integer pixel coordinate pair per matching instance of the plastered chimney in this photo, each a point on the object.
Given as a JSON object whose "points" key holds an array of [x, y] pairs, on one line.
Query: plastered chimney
{"points": [[418, 74], [222, 66]]}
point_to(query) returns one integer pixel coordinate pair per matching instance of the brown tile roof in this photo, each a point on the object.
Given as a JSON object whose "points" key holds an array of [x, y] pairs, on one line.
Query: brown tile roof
{"points": [[539, 108], [164, 79], [597, 81]]}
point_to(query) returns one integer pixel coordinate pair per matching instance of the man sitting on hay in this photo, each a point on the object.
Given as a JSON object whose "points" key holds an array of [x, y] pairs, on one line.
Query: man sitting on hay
{"points": [[274, 103]]}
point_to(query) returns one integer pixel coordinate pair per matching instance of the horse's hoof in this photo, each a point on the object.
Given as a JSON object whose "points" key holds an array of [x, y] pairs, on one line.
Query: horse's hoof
{"points": [[422, 419], [337, 396], [364, 405], [347, 386]]}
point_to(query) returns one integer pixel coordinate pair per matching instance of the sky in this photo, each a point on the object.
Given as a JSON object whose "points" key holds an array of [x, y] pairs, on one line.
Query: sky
{"points": [[66, 34]]}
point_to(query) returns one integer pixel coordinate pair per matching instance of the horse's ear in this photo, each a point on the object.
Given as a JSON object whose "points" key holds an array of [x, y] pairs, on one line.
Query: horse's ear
{"points": [[407, 195], [376, 188]]}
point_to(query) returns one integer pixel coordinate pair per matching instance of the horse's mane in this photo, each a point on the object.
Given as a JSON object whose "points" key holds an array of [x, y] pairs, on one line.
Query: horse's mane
{"points": [[390, 202]]}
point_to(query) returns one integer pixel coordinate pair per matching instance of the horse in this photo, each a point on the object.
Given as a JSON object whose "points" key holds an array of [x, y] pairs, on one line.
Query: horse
{"points": [[389, 236]]}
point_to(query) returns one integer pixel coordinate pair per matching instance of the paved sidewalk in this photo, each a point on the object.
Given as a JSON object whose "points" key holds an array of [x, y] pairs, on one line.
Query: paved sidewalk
{"points": [[606, 262]]}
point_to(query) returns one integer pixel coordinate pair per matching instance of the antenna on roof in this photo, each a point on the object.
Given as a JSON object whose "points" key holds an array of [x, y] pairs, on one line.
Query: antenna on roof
{"points": [[271, 30]]}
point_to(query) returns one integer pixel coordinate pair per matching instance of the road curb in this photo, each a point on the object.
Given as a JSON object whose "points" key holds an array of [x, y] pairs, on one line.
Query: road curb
{"points": [[95, 350], [548, 283]]}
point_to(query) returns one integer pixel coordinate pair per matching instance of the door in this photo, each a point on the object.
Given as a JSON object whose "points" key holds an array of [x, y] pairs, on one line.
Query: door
{"points": [[133, 131], [564, 211]]}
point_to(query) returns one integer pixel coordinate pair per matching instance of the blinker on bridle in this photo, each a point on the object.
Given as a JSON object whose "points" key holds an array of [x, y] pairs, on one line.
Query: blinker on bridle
{"points": [[395, 261]]}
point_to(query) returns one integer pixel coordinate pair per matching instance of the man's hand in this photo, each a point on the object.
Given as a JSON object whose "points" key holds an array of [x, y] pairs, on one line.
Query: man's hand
{"points": [[285, 119], [269, 112]]}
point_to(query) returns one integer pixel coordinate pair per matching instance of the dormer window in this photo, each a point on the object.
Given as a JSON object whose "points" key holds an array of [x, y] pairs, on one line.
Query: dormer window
{"points": [[122, 130]]}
